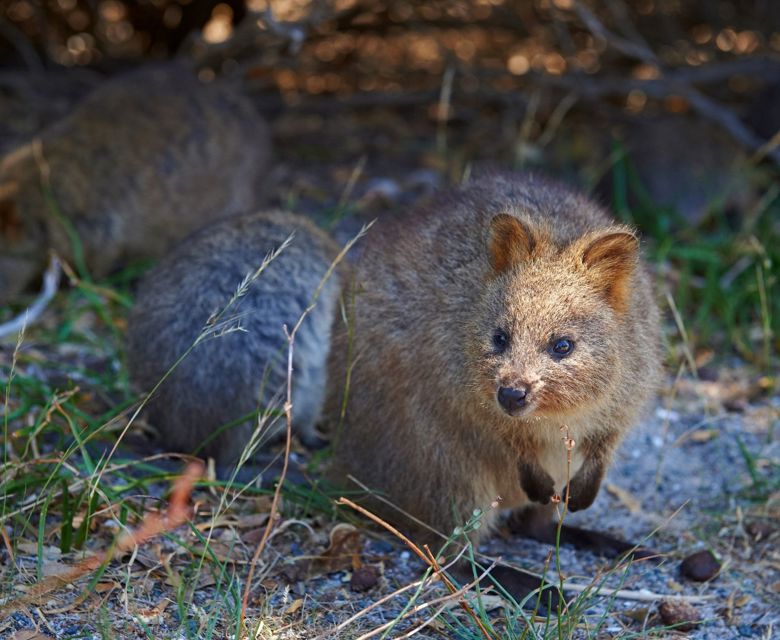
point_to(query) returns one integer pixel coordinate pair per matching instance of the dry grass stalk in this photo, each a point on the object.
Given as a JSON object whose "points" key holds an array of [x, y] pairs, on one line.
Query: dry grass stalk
{"points": [[288, 407], [365, 610], [445, 600], [426, 556], [285, 463]]}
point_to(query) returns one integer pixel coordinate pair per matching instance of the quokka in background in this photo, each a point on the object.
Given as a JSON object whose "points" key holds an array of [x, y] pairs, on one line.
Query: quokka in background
{"points": [[144, 160]]}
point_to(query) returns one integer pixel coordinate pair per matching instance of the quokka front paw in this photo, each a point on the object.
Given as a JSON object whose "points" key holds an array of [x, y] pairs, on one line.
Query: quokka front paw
{"points": [[582, 491], [537, 483]]}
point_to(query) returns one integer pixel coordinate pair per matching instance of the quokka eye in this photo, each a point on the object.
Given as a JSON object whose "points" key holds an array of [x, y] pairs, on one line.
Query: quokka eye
{"points": [[561, 347], [500, 340]]}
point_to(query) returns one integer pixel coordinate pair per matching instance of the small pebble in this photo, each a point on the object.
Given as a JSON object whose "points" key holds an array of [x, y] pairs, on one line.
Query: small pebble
{"points": [[759, 529], [708, 374], [364, 578], [681, 615], [700, 566], [735, 405], [667, 414]]}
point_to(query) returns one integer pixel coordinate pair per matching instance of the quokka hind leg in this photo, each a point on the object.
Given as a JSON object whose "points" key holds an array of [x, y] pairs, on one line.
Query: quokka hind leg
{"points": [[537, 522]]}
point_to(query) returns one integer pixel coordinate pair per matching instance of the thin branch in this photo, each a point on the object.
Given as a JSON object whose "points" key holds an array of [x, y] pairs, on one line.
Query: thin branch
{"points": [[556, 118], [595, 88], [619, 11], [670, 84], [637, 50], [51, 282], [717, 113], [640, 595], [19, 41]]}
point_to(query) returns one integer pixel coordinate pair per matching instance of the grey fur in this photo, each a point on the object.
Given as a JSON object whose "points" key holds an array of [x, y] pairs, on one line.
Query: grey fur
{"points": [[233, 374]]}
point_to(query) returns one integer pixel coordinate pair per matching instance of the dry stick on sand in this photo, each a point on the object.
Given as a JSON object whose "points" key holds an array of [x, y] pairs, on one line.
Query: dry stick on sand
{"points": [[51, 282], [288, 407], [153, 524]]}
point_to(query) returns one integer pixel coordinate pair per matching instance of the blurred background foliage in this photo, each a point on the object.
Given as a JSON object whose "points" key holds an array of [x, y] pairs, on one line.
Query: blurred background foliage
{"points": [[668, 110]]}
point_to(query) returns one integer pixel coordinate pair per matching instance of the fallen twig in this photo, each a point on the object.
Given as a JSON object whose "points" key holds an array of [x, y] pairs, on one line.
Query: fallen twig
{"points": [[640, 595], [51, 281]]}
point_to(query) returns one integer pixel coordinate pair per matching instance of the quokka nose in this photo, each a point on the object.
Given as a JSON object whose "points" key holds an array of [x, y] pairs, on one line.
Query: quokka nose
{"points": [[512, 399]]}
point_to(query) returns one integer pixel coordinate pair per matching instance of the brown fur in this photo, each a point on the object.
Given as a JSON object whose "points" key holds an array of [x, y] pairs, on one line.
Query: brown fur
{"points": [[144, 160], [422, 422]]}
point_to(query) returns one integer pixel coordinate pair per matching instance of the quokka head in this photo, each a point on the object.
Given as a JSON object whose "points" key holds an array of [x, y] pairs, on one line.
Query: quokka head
{"points": [[549, 341]]}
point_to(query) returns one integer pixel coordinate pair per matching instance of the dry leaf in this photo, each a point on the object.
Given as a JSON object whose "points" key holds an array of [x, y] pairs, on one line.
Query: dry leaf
{"points": [[248, 521], [295, 606], [626, 499], [675, 586], [147, 559], [343, 553], [639, 614], [702, 435], [206, 579], [31, 548], [742, 600], [221, 551], [681, 615], [153, 615], [252, 520], [55, 569], [104, 587], [28, 634]]}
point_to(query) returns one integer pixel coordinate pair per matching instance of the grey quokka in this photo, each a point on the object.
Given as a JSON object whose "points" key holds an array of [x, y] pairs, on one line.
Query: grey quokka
{"points": [[234, 371]]}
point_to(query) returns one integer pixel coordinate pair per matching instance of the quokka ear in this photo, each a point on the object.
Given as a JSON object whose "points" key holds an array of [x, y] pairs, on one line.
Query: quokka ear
{"points": [[510, 242], [611, 259]]}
